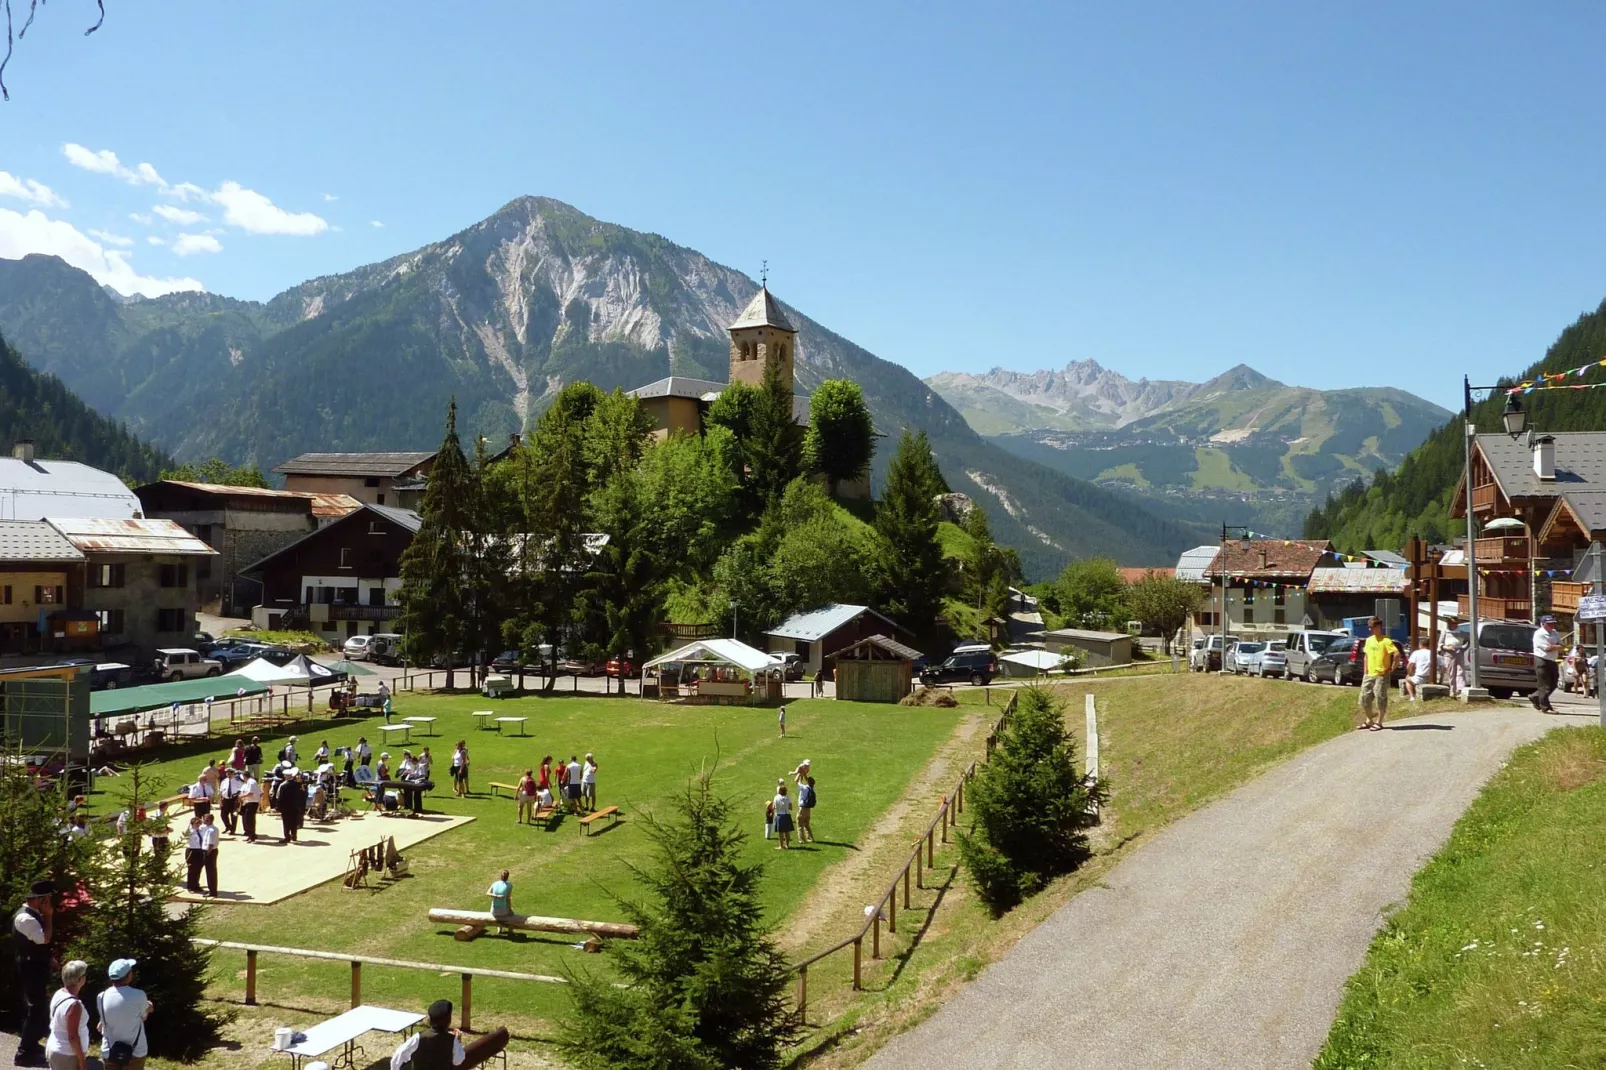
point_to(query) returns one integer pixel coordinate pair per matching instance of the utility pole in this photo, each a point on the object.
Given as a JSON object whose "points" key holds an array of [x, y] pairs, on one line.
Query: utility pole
{"points": [[1600, 632], [1472, 553]]}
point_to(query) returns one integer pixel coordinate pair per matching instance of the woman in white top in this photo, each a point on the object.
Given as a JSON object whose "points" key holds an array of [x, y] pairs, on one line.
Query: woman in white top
{"points": [[67, 1047], [783, 817]]}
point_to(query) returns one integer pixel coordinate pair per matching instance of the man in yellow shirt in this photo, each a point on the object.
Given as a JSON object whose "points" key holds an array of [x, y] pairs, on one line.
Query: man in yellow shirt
{"points": [[1380, 653]]}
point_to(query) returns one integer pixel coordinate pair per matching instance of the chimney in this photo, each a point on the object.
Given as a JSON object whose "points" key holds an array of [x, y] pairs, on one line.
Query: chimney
{"points": [[1263, 558], [1545, 458], [22, 450]]}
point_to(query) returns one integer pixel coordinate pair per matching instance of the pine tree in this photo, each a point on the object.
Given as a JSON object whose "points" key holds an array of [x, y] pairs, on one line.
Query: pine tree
{"points": [[1031, 809], [435, 614], [627, 576], [906, 519], [705, 985], [129, 919], [773, 448], [840, 441]]}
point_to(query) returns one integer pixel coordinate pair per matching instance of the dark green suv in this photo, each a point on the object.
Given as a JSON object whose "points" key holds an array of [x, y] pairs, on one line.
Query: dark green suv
{"points": [[970, 666]]}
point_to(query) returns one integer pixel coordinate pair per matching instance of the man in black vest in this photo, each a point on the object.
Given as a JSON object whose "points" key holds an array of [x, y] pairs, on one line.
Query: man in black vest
{"points": [[440, 1047], [32, 929]]}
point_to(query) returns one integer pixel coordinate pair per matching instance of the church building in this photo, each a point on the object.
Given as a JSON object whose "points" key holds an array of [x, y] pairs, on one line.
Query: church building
{"points": [[761, 337]]}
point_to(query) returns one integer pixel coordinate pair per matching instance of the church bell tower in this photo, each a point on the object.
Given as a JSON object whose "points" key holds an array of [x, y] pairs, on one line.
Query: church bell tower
{"points": [[762, 336]]}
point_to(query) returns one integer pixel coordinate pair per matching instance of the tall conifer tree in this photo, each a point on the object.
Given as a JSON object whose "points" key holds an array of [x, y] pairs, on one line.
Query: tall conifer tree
{"points": [[906, 519], [436, 614]]}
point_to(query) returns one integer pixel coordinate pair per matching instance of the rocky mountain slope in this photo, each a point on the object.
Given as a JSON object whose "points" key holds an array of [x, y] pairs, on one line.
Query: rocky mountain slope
{"points": [[1240, 443], [500, 316]]}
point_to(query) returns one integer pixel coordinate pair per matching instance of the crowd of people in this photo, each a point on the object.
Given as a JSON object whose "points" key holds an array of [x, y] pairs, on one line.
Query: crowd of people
{"points": [[571, 785], [787, 813], [55, 1028]]}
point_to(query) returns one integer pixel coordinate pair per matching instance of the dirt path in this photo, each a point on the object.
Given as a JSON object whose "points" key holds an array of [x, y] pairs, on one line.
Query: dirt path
{"points": [[838, 897], [1226, 940]]}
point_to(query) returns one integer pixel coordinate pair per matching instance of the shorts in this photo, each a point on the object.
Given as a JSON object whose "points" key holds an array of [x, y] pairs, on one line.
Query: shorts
{"points": [[1375, 690], [460, 773], [588, 790], [571, 791], [783, 822]]}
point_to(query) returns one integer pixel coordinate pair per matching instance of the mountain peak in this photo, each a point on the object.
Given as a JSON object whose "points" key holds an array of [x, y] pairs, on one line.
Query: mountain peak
{"points": [[1239, 377]]}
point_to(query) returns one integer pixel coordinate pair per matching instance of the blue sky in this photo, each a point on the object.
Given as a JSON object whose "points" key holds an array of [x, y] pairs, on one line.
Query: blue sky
{"points": [[1337, 195]]}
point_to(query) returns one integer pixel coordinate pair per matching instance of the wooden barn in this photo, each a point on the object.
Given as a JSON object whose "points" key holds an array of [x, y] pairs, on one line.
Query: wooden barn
{"points": [[875, 669]]}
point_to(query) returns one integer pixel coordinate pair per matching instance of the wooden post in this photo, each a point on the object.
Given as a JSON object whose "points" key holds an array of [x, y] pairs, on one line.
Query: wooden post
{"points": [[892, 911], [356, 984], [946, 809], [931, 848], [250, 978], [468, 999], [803, 993], [858, 951], [875, 933], [906, 887], [959, 796], [920, 873]]}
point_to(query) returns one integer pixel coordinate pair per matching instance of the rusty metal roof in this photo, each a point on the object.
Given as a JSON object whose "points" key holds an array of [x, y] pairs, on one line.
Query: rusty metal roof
{"points": [[1357, 581], [890, 646], [331, 506], [353, 464], [104, 536]]}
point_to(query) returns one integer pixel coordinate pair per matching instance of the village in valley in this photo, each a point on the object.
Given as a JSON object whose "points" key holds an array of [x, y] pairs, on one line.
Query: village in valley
{"points": [[534, 643]]}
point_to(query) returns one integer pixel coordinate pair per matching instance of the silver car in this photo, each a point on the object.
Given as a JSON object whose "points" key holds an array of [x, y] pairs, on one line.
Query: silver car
{"points": [[1273, 660], [1245, 657]]}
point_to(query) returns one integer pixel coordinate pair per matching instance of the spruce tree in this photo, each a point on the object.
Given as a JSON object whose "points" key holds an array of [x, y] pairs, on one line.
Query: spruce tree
{"points": [[906, 519], [129, 919], [705, 985], [841, 437], [773, 448], [1031, 809], [435, 610]]}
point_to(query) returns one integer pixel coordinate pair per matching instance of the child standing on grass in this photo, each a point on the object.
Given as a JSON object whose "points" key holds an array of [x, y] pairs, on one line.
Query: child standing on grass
{"points": [[783, 817], [460, 769], [782, 720], [769, 818]]}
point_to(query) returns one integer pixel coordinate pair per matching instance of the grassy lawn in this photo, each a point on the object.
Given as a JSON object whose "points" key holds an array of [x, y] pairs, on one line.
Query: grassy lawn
{"points": [[1498, 958], [1168, 745], [864, 757]]}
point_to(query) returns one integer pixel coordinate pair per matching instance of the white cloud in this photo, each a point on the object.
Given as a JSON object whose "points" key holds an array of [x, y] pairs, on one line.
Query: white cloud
{"points": [[252, 212], [185, 191], [376, 223], [105, 162], [29, 190], [111, 239], [34, 232], [151, 239], [144, 219], [189, 244], [330, 197], [182, 216]]}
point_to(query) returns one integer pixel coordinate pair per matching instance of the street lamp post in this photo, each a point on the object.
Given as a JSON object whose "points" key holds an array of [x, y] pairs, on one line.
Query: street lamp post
{"points": [[1222, 623], [1515, 420]]}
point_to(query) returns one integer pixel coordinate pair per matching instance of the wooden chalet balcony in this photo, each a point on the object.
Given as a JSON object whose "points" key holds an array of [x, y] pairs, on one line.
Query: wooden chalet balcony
{"points": [[1564, 595], [1492, 606], [1483, 498], [1502, 549], [343, 612]]}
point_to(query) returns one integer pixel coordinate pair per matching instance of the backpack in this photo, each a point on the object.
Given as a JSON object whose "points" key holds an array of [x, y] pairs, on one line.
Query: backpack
{"points": [[814, 796], [284, 753]]}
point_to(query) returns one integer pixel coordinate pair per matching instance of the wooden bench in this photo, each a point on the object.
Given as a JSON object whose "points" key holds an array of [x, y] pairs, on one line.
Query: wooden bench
{"points": [[512, 789], [611, 813], [545, 815]]}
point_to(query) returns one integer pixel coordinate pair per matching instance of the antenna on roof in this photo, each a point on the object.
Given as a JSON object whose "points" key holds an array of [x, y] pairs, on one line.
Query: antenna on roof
{"points": [[764, 274]]}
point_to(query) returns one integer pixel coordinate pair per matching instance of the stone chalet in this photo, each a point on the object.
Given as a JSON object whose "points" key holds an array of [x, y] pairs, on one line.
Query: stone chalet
{"points": [[373, 478]]}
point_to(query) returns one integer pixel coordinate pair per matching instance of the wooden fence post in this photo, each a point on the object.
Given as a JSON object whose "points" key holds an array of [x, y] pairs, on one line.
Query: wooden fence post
{"points": [[920, 873], [892, 915], [946, 809], [468, 999], [356, 984], [875, 934], [858, 946], [803, 993], [250, 978], [906, 887], [931, 848]]}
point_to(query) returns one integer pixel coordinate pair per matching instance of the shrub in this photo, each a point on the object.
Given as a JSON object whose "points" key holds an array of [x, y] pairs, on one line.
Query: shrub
{"points": [[1029, 807]]}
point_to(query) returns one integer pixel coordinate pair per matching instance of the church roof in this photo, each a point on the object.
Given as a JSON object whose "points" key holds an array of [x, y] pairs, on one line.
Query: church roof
{"points": [[763, 311]]}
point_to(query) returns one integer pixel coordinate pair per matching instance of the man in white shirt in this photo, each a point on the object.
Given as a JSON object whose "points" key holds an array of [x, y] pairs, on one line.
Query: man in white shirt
{"points": [[1547, 649], [439, 1047], [572, 790], [32, 929], [229, 801], [209, 841], [1419, 670], [250, 803], [588, 784], [201, 793], [365, 753], [194, 857]]}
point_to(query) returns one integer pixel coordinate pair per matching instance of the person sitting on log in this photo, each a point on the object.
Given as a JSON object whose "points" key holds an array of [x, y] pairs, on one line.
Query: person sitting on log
{"points": [[439, 1047]]}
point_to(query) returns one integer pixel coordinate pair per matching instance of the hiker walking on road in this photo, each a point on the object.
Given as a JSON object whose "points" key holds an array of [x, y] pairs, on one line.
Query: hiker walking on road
{"points": [[1380, 653]]}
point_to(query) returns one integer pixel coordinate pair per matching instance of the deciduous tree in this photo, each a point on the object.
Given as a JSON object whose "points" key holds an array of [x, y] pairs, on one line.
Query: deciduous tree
{"points": [[841, 437], [1092, 594], [1164, 603]]}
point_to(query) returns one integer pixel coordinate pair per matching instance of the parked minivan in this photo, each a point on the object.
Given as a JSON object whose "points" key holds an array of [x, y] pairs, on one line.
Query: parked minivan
{"points": [[1505, 656], [1304, 648]]}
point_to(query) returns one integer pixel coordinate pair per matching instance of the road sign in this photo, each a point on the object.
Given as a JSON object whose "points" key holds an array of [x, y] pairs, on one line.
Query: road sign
{"points": [[1591, 607]]}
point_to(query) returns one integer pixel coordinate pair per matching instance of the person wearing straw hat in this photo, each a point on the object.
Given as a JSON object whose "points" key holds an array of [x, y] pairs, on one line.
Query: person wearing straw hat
{"points": [[32, 931]]}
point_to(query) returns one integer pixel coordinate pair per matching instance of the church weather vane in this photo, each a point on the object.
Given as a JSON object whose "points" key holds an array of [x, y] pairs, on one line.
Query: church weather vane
{"points": [[764, 273]]}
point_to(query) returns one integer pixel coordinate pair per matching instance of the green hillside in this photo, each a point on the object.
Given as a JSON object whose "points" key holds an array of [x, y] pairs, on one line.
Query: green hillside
{"points": [[1415, 500]]}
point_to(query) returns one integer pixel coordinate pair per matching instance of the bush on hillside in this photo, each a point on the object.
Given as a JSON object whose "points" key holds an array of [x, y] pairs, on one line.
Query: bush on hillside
{"points": [[1030, 808]]}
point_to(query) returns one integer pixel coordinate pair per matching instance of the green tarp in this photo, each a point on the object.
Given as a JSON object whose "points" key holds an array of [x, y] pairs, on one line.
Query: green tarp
{"points": [[159, 696]]}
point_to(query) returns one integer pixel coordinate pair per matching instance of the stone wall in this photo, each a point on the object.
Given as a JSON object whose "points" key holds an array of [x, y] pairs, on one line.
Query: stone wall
{"points": [[141, 597]]}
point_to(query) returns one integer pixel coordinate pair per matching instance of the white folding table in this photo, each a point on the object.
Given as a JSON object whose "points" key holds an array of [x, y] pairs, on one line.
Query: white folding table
{"points": [[342, 1032], [427, 722]]}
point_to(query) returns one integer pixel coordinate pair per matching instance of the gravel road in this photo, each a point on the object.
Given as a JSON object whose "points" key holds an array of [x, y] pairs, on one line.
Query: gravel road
{"points": [[1226, 940]]}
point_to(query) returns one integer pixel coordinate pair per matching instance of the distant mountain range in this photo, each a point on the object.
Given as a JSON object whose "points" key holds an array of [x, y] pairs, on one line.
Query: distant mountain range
{"points": [[499, 315], [1239, 448]]}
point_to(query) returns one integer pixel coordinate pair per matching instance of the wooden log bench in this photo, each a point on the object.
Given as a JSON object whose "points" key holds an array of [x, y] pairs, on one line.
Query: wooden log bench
{"points": [[473, 922], [607, 813]]}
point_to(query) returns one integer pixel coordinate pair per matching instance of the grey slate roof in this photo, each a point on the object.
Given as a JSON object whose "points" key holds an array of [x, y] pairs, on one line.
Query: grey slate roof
{"points": [[352, 464], [677, 386], [405, 518], [1580, 463], [33, 490], [1386, 557], [34, 540], [763, 311], [1194, 564], [1589, 506], [818, 623]]}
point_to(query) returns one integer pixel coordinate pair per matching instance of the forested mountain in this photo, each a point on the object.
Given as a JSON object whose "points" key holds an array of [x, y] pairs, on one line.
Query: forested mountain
{"points": [[1416, 499], [1239, 448], [500, 316], [37, 406]]}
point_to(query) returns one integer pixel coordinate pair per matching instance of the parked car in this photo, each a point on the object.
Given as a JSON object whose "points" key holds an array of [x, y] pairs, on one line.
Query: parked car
{"points": [[1207, 656], [1304, 648], [582, 667], [1274, 660], [791, 664], [967, 666], [1505, 656], [110, 675], [356, 648], [231, 654], [619, 665], [181, 663], [1244, 657], [385, 648], [508, 662], [1344, 662]]}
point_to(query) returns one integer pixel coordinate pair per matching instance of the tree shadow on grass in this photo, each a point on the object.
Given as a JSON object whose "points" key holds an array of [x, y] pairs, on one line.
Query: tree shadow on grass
{"points": [[901, 960]]}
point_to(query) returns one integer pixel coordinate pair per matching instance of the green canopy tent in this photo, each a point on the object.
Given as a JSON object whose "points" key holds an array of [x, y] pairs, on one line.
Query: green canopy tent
{"points": [[158, 696]]}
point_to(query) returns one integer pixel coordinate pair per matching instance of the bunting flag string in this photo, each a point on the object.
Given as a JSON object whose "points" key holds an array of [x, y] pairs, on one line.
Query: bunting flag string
{"points": [[1558, 380]]}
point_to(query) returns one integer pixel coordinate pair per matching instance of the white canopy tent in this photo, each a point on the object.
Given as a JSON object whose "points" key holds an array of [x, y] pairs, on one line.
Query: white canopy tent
{"points": [[264, 671], [1033, 661], [716, 652]]}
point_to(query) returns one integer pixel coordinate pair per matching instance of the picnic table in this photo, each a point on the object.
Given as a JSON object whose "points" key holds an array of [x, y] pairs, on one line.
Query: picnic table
{"points": [[500, 721], [404, 728], [342, 1032], [427, 722], [482, 718]]}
